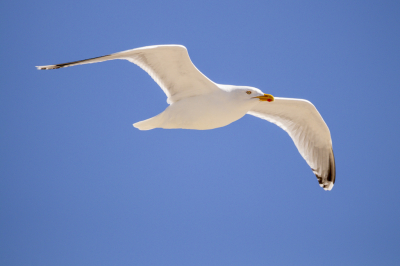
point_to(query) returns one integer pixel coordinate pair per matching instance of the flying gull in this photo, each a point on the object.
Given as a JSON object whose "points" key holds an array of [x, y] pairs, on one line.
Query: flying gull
{"points": [[196, 102]]}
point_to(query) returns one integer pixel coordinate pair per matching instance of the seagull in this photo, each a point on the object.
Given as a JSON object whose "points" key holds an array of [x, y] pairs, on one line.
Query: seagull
{"points": [[196, 102]]}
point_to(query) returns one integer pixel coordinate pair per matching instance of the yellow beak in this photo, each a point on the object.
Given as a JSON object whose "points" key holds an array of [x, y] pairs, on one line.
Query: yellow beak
{"points": [[266, 97]]}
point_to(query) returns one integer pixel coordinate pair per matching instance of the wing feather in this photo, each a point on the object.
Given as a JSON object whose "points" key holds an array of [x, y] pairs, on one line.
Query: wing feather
{"points": [[309, 132], [169, 65]]}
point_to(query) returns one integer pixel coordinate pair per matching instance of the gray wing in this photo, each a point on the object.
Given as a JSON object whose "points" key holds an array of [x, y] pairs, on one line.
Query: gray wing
{"points": [[169, 65], [301, 120]]}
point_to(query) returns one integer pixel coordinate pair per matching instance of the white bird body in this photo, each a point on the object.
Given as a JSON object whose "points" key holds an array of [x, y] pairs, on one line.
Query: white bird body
{"points": [[208, 111], [196, 102]]}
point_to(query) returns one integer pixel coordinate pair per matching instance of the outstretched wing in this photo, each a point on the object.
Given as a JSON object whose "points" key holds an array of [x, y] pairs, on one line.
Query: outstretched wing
{"points": [[301, 120], [169, 66]]}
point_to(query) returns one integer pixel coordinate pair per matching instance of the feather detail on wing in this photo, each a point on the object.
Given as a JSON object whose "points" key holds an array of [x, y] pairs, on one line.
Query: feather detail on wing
{"points": [[301, 120], [169, 65]]}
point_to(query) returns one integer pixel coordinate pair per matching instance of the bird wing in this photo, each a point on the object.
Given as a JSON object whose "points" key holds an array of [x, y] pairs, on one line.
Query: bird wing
{"points": [[301, 120], [169, 65]]}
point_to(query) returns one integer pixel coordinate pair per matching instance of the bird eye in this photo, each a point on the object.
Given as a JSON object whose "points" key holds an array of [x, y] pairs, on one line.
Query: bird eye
{"points": [[248, 92]]}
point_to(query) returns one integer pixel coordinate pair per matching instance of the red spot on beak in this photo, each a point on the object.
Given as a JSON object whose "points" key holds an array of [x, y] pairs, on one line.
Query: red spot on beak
{"points": [[269, 100]]}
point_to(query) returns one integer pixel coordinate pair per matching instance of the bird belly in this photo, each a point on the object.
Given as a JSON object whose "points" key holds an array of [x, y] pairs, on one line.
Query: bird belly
{"points": [[200, 113]]}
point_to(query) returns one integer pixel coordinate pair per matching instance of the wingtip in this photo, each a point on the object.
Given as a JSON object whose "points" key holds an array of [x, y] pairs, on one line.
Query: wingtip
{"points": [[47, 67], [327, 186], [325, 183], [328, 181]]}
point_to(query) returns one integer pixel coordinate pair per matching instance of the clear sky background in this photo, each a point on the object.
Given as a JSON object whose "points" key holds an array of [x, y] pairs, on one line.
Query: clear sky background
{"points": [[81, 186]]}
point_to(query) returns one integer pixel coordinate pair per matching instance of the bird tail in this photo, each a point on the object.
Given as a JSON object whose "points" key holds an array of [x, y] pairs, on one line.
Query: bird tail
{"points": [[150, 123]]}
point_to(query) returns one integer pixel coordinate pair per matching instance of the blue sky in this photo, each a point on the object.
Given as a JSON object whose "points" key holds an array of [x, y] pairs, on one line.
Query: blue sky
{"points": [[81, 186]]}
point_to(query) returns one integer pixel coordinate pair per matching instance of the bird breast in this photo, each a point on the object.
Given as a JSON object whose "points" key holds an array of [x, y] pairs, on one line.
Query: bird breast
{"points": [[203, 112]]}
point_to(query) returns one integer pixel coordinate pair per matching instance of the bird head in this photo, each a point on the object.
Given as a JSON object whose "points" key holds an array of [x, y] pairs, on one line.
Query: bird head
{"points": [[253, 93]]}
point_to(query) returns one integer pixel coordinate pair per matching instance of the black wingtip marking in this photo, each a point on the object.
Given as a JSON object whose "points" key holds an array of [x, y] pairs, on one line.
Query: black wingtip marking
{"points": [[69, 63], [331, 175], [332, 168]]}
